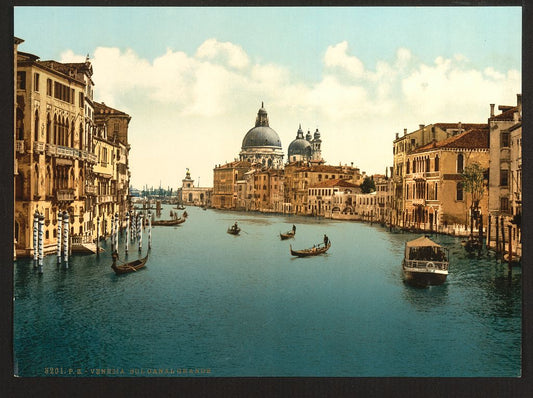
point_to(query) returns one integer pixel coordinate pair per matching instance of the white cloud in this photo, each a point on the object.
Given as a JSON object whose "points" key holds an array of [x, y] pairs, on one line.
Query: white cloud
{"points": [[193, 110]]}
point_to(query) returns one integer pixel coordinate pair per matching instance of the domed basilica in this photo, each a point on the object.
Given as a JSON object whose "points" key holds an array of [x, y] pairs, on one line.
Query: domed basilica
{"points": [[306, 149], [261, 144]]}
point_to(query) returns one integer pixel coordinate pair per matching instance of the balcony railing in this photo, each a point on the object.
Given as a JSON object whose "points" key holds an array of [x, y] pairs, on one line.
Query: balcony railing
{"points": [[90, 189], [105, 198], [418, 176], [38, 146], [65, 194], [67, 152], [418, 202], [19, 146]]}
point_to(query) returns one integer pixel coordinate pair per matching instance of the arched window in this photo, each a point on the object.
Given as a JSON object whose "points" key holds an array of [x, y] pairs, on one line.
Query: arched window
{"points": [[436, 191], [459, 191], [48, 182], [190, 197], [437, 163], [36, 127], [19, 186], [427, 165], [48, 129], [460, 163], [36, 181], [407, 167], [55, 127], [20, 124]]}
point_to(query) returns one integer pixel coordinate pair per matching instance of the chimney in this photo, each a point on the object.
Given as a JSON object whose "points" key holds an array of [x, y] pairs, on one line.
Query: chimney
{"points": [[491, 110], [460, 126], [519, 102], [397, 135], [404, 131]]}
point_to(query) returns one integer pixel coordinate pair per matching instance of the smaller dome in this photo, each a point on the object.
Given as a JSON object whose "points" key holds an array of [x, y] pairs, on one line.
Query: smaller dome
{"points": [[300, 146], [317, 134], [308, 136]]}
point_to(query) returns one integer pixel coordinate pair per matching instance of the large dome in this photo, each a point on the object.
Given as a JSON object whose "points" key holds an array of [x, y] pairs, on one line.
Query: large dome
{"points": [[261, 134]]}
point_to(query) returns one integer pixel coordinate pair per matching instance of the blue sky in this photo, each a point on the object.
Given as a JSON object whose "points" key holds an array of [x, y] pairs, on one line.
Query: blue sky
{"points": [[307, 64]]}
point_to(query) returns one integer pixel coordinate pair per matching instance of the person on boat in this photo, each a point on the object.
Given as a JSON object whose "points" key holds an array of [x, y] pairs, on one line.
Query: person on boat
{"points": [[114, 256], [326, 240], [235, 226], [293, 229]]}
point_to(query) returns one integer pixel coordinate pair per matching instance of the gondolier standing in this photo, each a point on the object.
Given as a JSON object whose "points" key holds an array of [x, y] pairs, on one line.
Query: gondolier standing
{"points": [[326, 240], [293, 229]]}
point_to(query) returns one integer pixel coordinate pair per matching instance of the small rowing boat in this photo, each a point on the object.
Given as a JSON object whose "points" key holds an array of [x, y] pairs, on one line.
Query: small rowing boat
{"points": [[177, 221], [132, 266]]}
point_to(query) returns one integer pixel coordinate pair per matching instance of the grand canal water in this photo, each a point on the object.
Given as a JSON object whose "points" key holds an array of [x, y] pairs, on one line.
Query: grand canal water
{"points": [[221, 305]]}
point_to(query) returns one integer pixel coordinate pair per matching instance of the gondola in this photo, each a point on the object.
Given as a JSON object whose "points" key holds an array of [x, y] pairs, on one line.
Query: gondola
{"points": [[234, 230], [168, 223], [179, 208], [287, 235], [314, 251], [132, 266]]}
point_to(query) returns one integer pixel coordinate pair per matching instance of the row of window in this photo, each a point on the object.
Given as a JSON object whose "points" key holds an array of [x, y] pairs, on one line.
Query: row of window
{"points": [[53, 88]]}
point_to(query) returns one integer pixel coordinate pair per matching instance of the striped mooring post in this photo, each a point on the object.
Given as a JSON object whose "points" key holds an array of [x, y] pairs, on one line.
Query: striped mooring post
{"points": [[140, 232], [133, 226], [41, 243], [35, 238], [65, 237], [149, 232], [126, 241], [59, 222], [117, 227], [112, 233], [98, 235]]}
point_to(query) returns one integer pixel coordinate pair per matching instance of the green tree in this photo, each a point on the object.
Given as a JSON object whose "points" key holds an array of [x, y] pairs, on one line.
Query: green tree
{"points": [[368, 185], [473, 183]]}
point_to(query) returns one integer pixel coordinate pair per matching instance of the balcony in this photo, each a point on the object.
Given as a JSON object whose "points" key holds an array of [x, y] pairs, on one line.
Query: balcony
{"points": [[418, 176], [65, 195], [105, 199], [430, 174], [90, 189], [19, 146], [505, 154], [38, 147], [67, 152], [419, 202]]}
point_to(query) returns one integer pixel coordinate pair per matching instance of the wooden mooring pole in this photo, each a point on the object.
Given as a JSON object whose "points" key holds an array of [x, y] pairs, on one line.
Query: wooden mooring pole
{"points": [[503, 237], [510, 255], [488, 232], [497, 247]]}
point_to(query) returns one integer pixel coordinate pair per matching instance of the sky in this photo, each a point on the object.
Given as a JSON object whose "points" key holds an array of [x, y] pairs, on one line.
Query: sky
{"points": [[192, 79]]}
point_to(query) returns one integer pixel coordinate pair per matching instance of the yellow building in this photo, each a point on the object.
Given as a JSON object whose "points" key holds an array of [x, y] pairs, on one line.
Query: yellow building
{"points": [[51, 147], [404, 145], [225, 178], [434, 193], [300, 176]]}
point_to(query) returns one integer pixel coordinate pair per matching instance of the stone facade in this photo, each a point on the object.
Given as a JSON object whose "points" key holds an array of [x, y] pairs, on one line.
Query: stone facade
{"points": [[57, 167], [225, 183]]}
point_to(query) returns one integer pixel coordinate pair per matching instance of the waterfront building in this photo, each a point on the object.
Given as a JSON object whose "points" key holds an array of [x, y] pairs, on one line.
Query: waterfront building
{"points": [[321, 197], [192, 195], [261, 144], [409, 142], [383, 210], [16, 43], [505, 173], [306, 149], [225, 183], [111, 175], [300, 176], [51, 150], [433, 183], [268, 190]]}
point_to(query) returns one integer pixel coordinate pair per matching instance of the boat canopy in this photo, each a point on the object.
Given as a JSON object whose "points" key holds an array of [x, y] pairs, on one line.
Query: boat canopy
{"points": [[422, 242]]}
